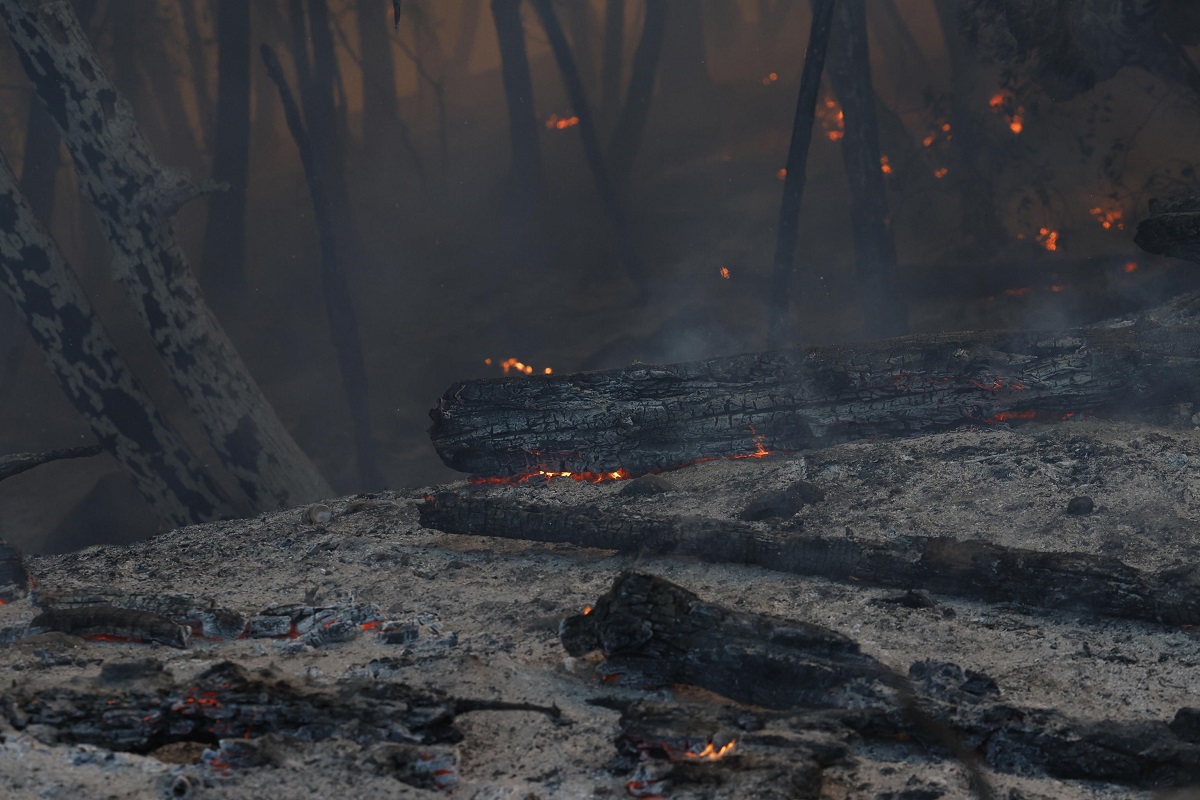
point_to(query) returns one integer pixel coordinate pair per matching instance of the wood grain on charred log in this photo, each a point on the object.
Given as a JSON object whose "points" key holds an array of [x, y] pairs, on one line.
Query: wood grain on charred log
{"points": [[969, 568], [645, 417]]}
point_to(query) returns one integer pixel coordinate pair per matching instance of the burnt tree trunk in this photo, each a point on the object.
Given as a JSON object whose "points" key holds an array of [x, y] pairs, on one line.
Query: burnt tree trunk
{"points": [[788, 229], [525, 174], [225, 236], [333, 224], [91, 372], [627, 134], [884, 311], [591, 141], [970, 568], [612, 54], [134, 197], [379, 80], [648, 417]]}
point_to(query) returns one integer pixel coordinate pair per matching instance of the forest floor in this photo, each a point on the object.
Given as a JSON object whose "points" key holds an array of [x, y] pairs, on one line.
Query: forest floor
{"points": [[489, 610]]}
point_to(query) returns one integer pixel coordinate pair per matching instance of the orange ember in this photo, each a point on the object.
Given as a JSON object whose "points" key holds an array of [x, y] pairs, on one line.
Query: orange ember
{"points": [[105, 637], [1130, 266], [1109, 218], [832, 119], [725, 273], [770, 78], [781, 174], [510, 364], [941, 173], [587, 610], [1048, 239], [1002, 103], [581, 477], [555, 122], [884, 166], [1024, 290]]}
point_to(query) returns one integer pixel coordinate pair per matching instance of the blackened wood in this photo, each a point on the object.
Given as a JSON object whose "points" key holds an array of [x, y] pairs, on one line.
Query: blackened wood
{"points": [[117, 623], [93, 375], [17, 463], [1173, 228], [135, 197], [227, 701], [650, 417], [884, 311], [970, 568], [655, 633], [788, 228]]}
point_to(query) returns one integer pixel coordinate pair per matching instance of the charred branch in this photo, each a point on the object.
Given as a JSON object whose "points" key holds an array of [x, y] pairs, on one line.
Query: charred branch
{"points": [[970, 568], [20, 462]]}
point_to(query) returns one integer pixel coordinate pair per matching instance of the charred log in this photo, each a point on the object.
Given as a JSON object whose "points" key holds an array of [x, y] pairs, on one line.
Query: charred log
{"points": [[644, 417], [1172, 229], [829, 697], [969, 568], [20, 462]]}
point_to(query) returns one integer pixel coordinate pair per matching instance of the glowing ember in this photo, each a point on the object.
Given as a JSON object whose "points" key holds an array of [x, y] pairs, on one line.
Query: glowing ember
{"points": [[832, 119], [928, 140], [587, 610], [1024, 290], [941, 173], [581, 477], [884, 166], [555, 122], [725, 273], [710, 753], [1130, 266], [781, 174], [1048, 239], [1002, 103], [1109, 218], [770, 78], [1057, 287], [510, 364]]}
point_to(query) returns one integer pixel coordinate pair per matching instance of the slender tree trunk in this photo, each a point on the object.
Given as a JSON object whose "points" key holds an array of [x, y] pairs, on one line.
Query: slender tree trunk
{"points": [[884, 311], [320, 150], [627, 135], [788, 229], [614, 52], [225, 237], [196, 56], [379, 82], [591, 142], [92, 373], [578, 16], [464, 40], [134, 197], [526, 174], [685, 61]]}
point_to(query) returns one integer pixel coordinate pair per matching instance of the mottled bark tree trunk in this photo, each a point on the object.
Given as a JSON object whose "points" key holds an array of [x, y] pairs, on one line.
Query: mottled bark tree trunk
{"points": [[134, 198], [91, 372]]}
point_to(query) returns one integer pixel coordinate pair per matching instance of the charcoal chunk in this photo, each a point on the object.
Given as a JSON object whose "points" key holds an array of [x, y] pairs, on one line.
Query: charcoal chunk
{"points": [[783, 504], [1079, 506]]}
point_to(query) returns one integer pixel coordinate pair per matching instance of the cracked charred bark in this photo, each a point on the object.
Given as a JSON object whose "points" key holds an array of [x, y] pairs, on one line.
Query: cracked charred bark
{"points": [[648, 417], [91, 372], [134, 197]]}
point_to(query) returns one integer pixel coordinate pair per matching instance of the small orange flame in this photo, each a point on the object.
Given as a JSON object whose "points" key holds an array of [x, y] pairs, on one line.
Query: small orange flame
{"points": [[781, 174], [510, 364], [555, 122], [1024, 290], [725, 273], [710, 753], [928, 140], [884, 166], [832, 119], [770, 78], [1048, 239], [1002, 103], [941, 173], [1130, 266], [587, 610], [581, 477]]}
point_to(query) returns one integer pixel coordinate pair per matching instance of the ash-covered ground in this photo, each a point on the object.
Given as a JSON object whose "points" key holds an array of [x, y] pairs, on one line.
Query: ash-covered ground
{"points": [[488, 612]]}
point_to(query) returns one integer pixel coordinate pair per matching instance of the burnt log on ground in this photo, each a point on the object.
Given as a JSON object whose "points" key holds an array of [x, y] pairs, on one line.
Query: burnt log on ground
{"points": [[645, 418], [825, 694], [17, 463], [1172, 228], [971, 568]]}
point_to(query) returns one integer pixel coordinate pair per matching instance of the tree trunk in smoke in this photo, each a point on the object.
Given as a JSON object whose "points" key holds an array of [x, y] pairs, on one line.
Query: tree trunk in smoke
{"points": [[526, 173], [196, 57], [591, 142], [578, 16], [771, 17], [627, 135], [379, 82], [977, 162], [464, 40], [788, 229], [225, 236], [684, 74], [884, 311], [134, 197], [298, 22], [614, 52], [91, 372], [322, 159]]}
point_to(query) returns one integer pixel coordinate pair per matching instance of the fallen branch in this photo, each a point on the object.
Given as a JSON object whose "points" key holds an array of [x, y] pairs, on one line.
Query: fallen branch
{"points": [[969, 568]]}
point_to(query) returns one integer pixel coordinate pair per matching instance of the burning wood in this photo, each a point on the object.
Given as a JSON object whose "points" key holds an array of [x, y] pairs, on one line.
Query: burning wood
{"points": [[645, 418]]}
